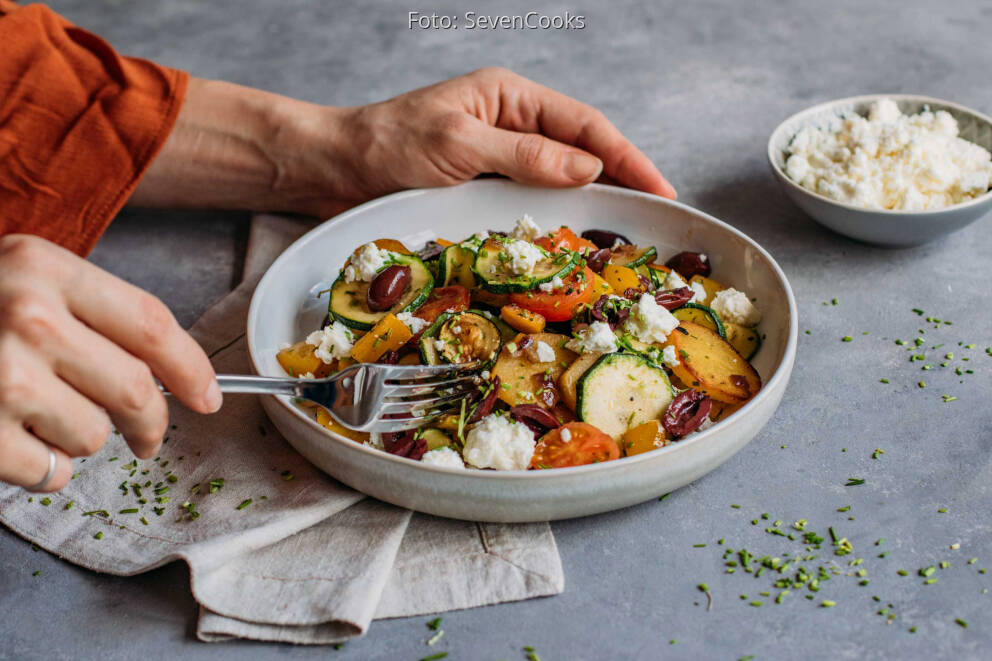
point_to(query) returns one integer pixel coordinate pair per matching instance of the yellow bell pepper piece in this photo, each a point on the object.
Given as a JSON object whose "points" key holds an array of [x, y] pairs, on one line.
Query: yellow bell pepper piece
{"points": [[389, 334]]}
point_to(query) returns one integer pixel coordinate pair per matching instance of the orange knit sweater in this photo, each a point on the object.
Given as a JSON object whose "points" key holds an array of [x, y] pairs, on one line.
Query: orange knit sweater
{"points": [[78, 126]]}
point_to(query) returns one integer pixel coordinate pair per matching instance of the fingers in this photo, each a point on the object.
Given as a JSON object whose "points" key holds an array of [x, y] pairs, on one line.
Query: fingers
{"points": [[531, 158], [24, 459], [527, 106], [115, 380], [143, 326]]}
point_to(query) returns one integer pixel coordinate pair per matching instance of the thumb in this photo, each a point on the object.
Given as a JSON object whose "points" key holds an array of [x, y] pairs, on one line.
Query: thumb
{"points": [[531, 158]]}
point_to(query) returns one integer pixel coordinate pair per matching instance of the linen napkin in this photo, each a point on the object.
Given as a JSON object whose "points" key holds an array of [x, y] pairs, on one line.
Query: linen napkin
{"points": [[277, 550]]}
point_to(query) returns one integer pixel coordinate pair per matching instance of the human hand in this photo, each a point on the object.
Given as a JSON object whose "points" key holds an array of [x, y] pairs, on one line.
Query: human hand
{"points": [[235, 147], [78, 349], [491, 120]]}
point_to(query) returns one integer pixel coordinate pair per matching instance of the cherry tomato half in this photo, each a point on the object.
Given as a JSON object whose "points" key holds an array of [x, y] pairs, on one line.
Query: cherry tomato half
{"points": [[440, 300], [586, 444], [564, 239], [558, 305]]}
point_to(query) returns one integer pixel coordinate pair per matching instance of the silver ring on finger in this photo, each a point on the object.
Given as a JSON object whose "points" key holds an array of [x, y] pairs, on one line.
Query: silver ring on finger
{"points": [[41, 486]]}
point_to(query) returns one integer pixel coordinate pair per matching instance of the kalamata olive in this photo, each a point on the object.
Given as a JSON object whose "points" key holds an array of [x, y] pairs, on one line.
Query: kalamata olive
{"points": [[389, 358], [688, 264], [645, 283], [519, 346], [431, 250], [632, 294], [537, 418], [606, 310], [673, 298], [547, 392], [605, 238], [388, 287], [405, 444], [485, 405], [597, 260], [686, 412]]}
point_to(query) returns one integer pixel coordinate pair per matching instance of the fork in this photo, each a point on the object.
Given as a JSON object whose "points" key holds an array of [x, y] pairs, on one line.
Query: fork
{"points": [[372, 397]]}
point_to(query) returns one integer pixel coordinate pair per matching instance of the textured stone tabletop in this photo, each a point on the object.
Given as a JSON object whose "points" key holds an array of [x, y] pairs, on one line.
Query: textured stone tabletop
{"points": [[699, 86]]}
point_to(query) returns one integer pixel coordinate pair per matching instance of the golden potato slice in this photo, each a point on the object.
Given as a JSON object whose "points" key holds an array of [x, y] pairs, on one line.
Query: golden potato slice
{"points": [[517, 373], [570, 379], [711, 365]]}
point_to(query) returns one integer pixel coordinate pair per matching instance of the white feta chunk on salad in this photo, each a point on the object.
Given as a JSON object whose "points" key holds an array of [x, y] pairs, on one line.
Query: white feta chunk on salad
{"points": [[734, 306], [668, 356], [673, 281], [698, 292], [545, 354], [443, 456], [597, 338], [554, 284], [523, 256], [526, 229], [332, 342], [415, 324], [650, 322], [365, 263], [499, 442]]}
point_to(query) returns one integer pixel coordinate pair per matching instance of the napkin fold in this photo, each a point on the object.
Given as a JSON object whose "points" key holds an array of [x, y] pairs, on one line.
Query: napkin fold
{"points": [[277, 550]]}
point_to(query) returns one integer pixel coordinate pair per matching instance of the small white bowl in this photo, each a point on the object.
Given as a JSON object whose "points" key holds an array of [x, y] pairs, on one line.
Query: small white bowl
{"points": [[887, 228], [285, 308]]}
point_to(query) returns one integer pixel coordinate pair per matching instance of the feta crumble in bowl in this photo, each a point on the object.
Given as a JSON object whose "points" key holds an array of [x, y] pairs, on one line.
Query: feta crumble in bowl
{"points": [[894, 170], [286, 307]]}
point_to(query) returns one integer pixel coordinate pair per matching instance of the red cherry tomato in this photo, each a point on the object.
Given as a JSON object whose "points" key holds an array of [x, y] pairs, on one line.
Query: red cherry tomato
{"points": [[558, 305], [440, 300], [586, 444], [564, 239]]}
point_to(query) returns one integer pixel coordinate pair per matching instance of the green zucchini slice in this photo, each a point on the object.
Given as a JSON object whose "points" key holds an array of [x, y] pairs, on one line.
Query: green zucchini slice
{"points": [[621, 391], [493, 275], [461, 337], [632, 256], [348, 304], [702, 315], [455, 267]]}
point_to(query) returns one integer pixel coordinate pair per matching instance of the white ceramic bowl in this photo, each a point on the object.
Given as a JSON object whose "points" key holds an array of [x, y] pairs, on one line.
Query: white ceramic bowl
{"points": [[284, 308], [887, 228]]}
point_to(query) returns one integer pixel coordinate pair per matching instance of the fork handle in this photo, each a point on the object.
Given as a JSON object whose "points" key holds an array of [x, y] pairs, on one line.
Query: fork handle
{"points": [[260, 385]]}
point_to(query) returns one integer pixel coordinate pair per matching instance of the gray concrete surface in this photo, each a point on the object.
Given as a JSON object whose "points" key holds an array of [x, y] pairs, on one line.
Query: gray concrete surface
{"points": [[699, 85]]}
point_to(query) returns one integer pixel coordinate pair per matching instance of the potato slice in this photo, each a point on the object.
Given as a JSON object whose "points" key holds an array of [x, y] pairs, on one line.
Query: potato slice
{"points": [[517, 374], [569, 381], [712, 366], [300, 359]]}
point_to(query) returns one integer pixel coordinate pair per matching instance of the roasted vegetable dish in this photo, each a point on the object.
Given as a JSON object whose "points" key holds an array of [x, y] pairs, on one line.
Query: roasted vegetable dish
{"points": [[589, 348]]}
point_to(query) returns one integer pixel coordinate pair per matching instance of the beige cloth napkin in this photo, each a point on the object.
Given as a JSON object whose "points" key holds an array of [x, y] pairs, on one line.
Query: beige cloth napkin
{"points": [[307, 559]]}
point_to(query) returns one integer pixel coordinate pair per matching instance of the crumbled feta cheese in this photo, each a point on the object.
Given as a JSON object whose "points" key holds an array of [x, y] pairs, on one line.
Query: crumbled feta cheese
{"points": [[674, 281], [566, 435], [526, 229], [668, 356], [597, 338], [545, 354], [485, 374], [617, 243], [523, 257], [499, 442], [650, 322], [890, 160], [698, 292], [365, 263], [307, 375], [334, 341], [734, 306], [443, 456], [555, 283], [439, 345], [415, 324]]}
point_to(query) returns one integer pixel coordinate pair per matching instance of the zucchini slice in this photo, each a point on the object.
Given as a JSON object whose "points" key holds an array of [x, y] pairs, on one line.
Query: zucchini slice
{"points": [[746, 340], [461, 337], [348, 304], [621, 391], [631, 256], [702, 315], [492, 274], [455, 267]]}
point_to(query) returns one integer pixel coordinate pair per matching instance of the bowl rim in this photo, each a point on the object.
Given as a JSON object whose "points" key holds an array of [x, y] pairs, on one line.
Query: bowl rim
{"points": [[781, 373], [864, 98]]}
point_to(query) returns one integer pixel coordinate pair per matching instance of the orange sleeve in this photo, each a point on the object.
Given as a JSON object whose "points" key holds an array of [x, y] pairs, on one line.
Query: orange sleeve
{"points": [[79, 125]]}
